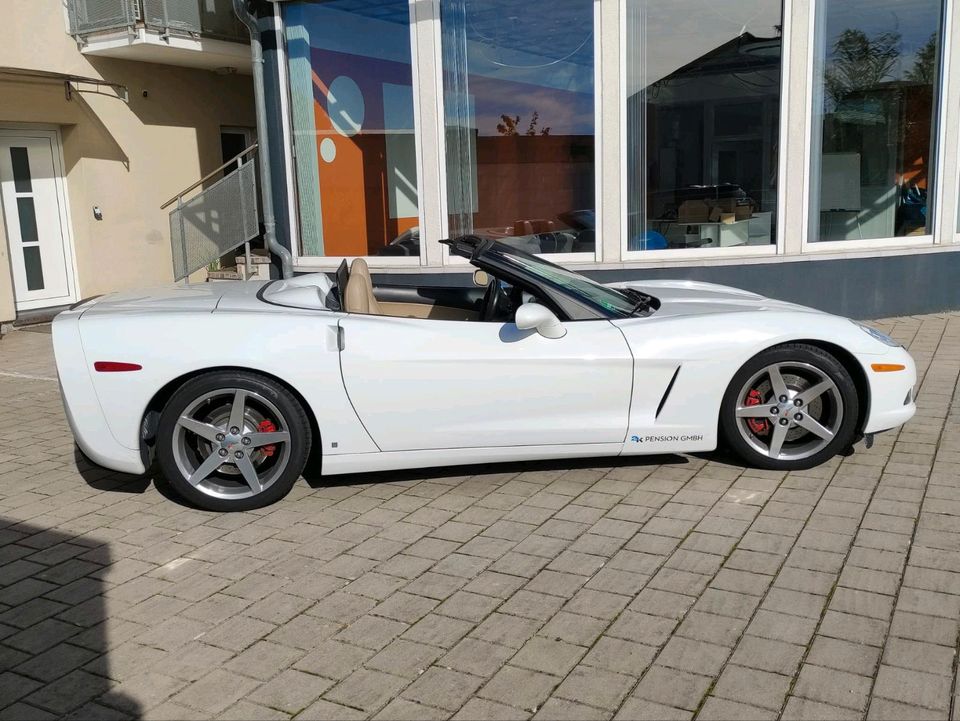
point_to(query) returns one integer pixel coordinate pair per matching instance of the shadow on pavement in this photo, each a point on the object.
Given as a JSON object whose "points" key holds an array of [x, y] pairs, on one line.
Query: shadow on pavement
{"points": [[103, 479], [54, 640]]}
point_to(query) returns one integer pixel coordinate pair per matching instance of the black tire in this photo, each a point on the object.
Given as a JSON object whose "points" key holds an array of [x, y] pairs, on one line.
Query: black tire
{"points": [[739, 433], [174, 444]]}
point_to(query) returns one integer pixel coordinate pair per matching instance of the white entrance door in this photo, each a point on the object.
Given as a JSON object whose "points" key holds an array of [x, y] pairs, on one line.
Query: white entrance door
{"points": [[34, 214]]}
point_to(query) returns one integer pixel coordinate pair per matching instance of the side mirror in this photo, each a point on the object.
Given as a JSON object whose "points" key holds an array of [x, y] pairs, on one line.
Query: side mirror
{"points": [[532, 316]]}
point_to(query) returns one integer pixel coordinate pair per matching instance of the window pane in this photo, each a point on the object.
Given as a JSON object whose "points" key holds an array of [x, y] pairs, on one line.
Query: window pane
{"points": [[27, 214], [21, 170], [519, 109], [875, 83], [33, 267], [703, 107], [352, 107]]}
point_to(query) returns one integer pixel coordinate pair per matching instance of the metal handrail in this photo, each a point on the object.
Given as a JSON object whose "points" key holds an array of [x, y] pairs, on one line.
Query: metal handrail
{"points": [[209, 175]]}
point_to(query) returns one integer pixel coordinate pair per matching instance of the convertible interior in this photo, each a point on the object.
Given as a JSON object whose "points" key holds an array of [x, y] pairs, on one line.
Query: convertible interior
{"points": [[496, 302]]}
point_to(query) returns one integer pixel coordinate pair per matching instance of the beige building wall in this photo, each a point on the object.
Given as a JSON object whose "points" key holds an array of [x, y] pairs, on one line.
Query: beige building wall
{"points": [[127, 158]]}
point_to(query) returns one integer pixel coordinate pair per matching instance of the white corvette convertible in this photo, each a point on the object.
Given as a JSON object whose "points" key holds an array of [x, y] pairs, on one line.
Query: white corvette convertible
{"points": [[232, 387]]}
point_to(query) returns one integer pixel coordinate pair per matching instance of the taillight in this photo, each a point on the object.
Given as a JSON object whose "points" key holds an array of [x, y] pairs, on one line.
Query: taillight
{"points": [[115, 367]]}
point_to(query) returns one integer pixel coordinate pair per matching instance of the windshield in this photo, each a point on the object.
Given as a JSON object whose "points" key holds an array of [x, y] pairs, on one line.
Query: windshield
{"points": [[614, 302]]}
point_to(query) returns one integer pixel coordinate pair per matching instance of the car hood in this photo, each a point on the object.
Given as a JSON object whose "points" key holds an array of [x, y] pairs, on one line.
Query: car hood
{"points": [[690, 297], [198, 297]]}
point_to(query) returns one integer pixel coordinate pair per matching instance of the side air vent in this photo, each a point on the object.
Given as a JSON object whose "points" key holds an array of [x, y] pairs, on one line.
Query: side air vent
{"points": [[666, 393]]}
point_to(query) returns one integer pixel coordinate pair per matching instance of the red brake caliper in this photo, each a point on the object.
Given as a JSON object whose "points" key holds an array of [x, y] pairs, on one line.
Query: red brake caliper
{"points": [[759, 426], [269, 427]]}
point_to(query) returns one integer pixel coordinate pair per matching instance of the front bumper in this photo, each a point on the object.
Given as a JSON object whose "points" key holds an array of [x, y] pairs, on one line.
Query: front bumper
{"points": [[892, 401]]}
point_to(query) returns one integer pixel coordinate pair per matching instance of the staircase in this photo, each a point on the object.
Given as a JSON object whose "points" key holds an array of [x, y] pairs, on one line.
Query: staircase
{"points": [[215, 216]]}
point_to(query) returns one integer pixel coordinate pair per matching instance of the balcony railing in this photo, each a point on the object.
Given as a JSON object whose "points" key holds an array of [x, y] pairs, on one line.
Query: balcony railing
{"points": [[205, 18]]}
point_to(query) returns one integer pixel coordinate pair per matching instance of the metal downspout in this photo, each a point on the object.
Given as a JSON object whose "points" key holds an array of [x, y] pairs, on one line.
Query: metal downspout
{"points": [[266, 184]]}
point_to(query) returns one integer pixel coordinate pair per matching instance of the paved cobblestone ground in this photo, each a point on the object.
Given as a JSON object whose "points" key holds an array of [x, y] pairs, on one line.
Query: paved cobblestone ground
{"points": [[668, 588]]}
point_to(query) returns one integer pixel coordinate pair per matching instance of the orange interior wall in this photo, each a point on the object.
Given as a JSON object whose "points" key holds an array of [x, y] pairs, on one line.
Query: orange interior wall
{"points": [[353, 192]]}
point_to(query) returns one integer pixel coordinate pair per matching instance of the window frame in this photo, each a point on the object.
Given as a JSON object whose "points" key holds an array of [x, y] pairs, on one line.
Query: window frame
{"points": [[809, 246], [306, 262], [693, 254], [450, 260]]}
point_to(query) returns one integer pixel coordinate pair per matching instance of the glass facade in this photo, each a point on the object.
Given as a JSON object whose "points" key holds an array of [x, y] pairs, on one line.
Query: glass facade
{"points": [[621, 131], [519, 115], [876, 68], [702, 113]]}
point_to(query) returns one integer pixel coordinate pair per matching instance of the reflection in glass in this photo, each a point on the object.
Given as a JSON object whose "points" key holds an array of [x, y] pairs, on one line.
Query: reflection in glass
{"points": [[703, 106], [875, 92], [519, 110], [352, 109]]}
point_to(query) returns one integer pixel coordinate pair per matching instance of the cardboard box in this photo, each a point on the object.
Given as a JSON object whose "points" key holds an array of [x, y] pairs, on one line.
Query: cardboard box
{"points": [[693, 211]]}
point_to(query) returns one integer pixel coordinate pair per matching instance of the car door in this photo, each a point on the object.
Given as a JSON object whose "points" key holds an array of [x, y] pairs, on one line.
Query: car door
{"points": [[432, 384]]}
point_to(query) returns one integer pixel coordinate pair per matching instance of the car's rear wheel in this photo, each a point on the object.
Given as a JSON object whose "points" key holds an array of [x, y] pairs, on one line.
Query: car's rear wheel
{"points": [[233, 441], [791, 407]]}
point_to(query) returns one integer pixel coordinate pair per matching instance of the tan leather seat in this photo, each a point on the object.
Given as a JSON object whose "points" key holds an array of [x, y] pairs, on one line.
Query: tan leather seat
{"points": [[359, 295]]}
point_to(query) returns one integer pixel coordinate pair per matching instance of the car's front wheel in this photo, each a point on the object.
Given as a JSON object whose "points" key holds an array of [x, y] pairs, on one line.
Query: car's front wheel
{"points": [[791, 407], [233, 441]]}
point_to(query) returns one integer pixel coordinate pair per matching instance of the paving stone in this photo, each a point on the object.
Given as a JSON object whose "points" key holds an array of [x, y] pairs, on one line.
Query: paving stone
{"points": [[858, 629], [697, 657], [913, 687], [573, 628], [595, 687], [843, 655], [443, 688], [548, 656], [399, 709], [237, 634], [924, 628], [365, 690], [264, 659], [708, 627], [511, 631], [883, 709], [520, 687], [333, 659], [752, 686], [803, 709], [323, 709], [371, 632], [834, 687], [768, 655], [720, 709], [558, 708], [669, 687], [638, 708], [479, 709], [477, 657], [67, 692]]}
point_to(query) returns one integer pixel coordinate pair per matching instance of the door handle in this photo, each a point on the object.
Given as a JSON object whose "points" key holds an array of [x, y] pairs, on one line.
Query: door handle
{"points": [[341, 338]]}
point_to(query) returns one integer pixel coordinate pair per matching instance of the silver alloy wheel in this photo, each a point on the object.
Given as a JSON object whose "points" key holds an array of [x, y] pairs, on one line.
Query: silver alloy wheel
{"points": [[219, 446], [801, 406]]}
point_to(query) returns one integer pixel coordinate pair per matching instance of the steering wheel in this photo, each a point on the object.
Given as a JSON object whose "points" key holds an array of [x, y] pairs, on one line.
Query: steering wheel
{"points": [[491, 301]]}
